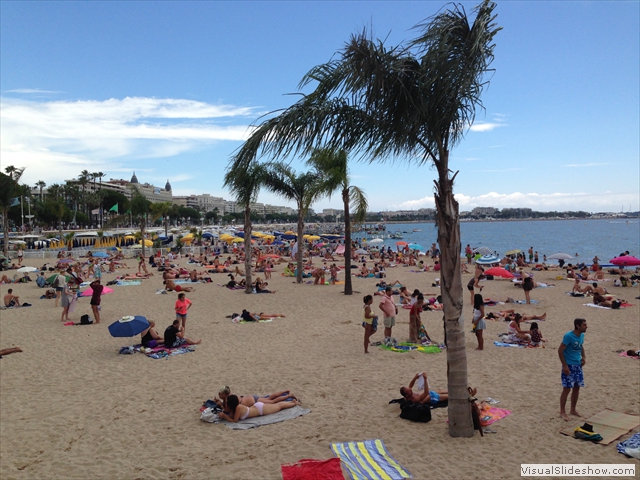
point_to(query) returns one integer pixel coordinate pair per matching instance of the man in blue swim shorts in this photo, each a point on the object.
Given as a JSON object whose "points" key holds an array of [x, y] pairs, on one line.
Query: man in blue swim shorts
{"points": [[431, 397], [572, 356]]}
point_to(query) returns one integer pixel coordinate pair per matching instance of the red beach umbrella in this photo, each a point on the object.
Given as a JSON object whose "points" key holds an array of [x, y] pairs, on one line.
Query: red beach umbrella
{"points": [[499, 272], [401, 243]]}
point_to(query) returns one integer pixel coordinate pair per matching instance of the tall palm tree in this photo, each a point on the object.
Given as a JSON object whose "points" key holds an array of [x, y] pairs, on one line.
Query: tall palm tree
{"points": [[83, 181], [161, 210], [140, 207], [9, 189], [415, 101], [41, 184], [55, 191], [335, 176], [302, 188], [245, 184]]}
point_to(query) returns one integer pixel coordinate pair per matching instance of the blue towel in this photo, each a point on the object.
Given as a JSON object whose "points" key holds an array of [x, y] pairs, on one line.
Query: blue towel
{"points": [[502, 344], [631, 443]]}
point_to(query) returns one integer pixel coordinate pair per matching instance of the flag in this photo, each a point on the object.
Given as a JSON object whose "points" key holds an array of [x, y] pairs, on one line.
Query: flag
{"points": [[114, 208], [14, 201], [128, 212]]}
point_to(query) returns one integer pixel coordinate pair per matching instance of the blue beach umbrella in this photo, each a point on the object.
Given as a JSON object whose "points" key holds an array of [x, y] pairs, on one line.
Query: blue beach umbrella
{"points": [[100, 254], [488, 260], [415, 246], [128, 326]]}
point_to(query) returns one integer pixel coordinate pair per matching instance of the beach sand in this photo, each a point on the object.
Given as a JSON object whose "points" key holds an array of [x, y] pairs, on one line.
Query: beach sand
{"points": [[73, 408]]}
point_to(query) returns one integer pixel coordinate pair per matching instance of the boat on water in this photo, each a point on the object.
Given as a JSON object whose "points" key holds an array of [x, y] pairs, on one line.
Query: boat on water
{"points": [[417, 229]]}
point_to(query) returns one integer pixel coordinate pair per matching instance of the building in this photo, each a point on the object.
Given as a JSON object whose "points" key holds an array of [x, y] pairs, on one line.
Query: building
{"points": [[484, 212], [203, 203]]}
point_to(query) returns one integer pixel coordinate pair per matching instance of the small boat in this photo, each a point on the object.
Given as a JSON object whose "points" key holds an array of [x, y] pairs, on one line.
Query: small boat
{"points": [[417, 229]]}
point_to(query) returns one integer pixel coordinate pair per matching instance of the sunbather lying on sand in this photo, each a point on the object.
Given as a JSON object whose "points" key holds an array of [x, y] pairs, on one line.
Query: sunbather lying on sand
{"points": [[240, 412], [509, 315], [250, 400], [171, 286]]}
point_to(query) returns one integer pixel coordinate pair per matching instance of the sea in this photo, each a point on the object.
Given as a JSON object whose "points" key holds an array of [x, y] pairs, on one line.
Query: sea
{"points": [[583, 239]]}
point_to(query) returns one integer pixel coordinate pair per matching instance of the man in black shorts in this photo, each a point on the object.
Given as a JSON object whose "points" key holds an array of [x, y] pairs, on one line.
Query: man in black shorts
{"points": [[174, 336]]}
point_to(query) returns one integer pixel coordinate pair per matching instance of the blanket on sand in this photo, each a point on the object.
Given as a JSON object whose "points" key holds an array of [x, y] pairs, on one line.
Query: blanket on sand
{"points": [[309, 469], [405, 347], [369, 460], [281, 416], [608, 423]]}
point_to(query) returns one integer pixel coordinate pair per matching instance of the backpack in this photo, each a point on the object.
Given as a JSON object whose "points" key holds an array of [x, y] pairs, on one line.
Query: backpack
{"points": [[416, 412], [85, 320], [56, 283]]}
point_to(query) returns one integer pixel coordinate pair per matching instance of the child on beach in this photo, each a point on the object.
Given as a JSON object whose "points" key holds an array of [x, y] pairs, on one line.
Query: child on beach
{"points": [[478, 319], [370, 321], [415, 322], [536, 335], [333, 271]]}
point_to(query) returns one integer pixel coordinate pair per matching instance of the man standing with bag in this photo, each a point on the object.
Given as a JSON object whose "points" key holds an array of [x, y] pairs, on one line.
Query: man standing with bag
{"points": [[572, 356]]}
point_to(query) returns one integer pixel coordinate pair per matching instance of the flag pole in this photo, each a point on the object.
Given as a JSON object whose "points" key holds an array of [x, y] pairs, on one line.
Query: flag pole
{"points": [[22, 213]]}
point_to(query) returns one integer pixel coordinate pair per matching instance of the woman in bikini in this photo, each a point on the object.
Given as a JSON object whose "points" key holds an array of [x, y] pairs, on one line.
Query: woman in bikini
{"points": [[250, 400], [171, 286], [258, 409]]}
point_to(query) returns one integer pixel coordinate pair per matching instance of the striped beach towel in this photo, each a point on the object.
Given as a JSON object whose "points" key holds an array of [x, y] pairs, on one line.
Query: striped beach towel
{"points": [[369, 460]]}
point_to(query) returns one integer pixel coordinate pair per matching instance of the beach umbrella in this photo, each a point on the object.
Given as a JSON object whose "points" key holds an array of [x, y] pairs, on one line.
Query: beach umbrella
{"points": [[361, 251], [147, 243], [66, 260], [624, 261], [27, 269], [498, 272], [115, 249], [101, 254], [129, 326], [237, 240], [53, 277], [313, 237], [268, 255], [289, 232], [560, 256], [401, 243], [483, 251], [487, 260], [416, 246], [89, 291], [515, 251], [376, 240]]}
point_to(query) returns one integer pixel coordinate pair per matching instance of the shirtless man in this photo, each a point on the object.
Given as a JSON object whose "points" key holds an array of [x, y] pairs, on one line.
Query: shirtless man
{"points": [[599, 290], [11, 300], [428, 396], [578, 289]]}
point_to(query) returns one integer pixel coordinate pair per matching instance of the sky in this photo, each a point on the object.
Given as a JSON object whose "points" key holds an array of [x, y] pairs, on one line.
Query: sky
{"points": [[169, 90]]}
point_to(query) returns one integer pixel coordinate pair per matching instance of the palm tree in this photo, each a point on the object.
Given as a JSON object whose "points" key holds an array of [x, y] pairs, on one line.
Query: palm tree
{"points": [[333, 168], [9, 189], [55, 191], [416, 101], [83, 181], [245, 184], [140, 207], [41, 184], [68, 240], [304, 189], [162, 210]]}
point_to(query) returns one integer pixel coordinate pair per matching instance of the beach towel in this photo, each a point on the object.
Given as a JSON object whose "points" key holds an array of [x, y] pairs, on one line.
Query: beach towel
{"points": [[489, 415], [595, 306], [281, 416], [524, 302], [405, 347], [369, 460], [504, 344], [309, 469], [128, 283], [609, 424], [631, 446]]}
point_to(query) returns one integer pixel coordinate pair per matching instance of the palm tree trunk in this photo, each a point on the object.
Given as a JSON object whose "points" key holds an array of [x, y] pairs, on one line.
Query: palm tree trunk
{"points": [[299, 259], [348, 288], [448, 222], [247, 248], [5, 229], [143, 225]]}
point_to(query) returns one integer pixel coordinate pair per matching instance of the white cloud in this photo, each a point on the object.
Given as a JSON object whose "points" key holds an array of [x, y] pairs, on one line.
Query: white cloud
{"points": [[605, 201], [31, 90], [485, 127], [56, 139], [585, 164]]}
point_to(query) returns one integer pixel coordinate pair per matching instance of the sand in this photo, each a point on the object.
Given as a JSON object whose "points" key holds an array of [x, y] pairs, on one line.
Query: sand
{"points": [[73, 408]]}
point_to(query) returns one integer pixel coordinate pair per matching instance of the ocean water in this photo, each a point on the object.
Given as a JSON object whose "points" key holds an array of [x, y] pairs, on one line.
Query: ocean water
{"points": [[587, 238]]}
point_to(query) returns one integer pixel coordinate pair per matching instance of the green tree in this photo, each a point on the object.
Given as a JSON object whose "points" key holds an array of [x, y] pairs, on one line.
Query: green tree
{"points": [[415, 101], [245, 184], [140, 208], [333, 167], [41, 184], [302, 188], [161, 210]]}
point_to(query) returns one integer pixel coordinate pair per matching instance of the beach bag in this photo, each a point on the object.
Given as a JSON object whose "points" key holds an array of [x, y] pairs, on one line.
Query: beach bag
{"points": [[416, 412], [56, 283], [208, 415], [85, 320]]}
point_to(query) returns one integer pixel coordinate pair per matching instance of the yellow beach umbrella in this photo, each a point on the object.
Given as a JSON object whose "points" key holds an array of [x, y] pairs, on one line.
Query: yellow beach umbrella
{"points": [[147, 243], [237, 240], [289, 233]]}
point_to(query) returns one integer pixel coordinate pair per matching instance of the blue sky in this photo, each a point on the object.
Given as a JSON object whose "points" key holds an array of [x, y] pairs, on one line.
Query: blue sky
{"points": [[169, 89]]}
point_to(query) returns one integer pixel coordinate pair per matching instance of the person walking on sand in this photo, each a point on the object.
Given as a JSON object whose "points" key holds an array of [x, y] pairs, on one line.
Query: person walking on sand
{"points": [[182, 305], [370, 321], [97, 289], [390, 311], [573, 358]]}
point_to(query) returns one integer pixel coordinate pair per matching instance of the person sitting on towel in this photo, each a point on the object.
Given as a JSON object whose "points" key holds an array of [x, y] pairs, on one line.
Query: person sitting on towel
{"points": [[427, 396], [150, 337], [578, 289], [174, 336], [241, 412]]}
